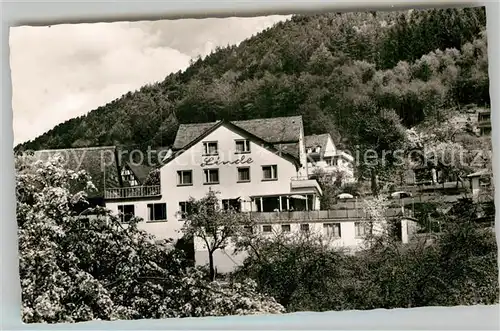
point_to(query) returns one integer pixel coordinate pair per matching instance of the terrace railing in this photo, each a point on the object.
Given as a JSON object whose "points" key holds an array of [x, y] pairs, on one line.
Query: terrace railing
{"points": [[132, 192], [322, 215]]}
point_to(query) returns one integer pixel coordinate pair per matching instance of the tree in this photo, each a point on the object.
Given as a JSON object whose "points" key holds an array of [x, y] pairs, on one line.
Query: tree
{"points": [[214, 224], [382, 144], [292, 268], [69, 254]]}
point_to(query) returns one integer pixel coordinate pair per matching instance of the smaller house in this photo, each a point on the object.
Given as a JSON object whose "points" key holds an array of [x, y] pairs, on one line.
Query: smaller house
{"points": [[481, 183], [100, 163], [484, 122], [322, 155]]}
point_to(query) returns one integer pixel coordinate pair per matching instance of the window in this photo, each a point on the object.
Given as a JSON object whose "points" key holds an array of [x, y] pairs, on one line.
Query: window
{"points": [[244, 174], [128, 176], [267, 228], [127, 212], [309, 150], [270, 172], [157, 211], [242, 146], [184, 177], [360, 229], [332, 229], [484, 181], [184, 208], [304, 227], [317, 149], [210, 148], [233, 204], [211, 176], [248, 229], [285, 228]]}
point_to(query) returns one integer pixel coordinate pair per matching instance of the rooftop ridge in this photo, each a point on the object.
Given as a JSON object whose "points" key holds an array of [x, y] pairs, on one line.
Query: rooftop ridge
{"points": [[239, 121], [74, 148]]}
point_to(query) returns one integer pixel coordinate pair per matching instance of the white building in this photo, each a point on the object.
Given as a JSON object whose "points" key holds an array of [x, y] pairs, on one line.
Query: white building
{"points": [[258, 166], [323, 156]]}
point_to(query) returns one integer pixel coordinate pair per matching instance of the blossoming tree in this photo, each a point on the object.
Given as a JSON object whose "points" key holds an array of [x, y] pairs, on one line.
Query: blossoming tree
{"points": [[78, 264]]}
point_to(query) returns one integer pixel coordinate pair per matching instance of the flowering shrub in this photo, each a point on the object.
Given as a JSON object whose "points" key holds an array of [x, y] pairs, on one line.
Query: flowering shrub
{"points": [[83, 266]]}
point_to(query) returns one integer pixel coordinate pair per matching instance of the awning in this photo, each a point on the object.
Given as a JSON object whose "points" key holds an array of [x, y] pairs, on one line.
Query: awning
{"points": [[296, 196], [345, 196]]}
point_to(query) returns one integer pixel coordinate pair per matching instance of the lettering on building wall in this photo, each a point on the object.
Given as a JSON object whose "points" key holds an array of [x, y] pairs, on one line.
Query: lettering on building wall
{"points": [[211, 161]]}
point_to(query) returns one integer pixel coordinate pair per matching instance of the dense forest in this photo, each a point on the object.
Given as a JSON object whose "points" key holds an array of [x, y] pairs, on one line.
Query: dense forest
{"points": [[343, 72]]}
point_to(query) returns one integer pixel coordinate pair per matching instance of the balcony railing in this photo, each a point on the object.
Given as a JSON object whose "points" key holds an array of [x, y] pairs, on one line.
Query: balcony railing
{"points": [[132, 192], [323, 215]]}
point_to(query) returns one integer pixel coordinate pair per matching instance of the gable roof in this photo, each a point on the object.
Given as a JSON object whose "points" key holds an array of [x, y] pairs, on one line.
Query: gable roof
{"points": [[282, 150], [96, 161], [141, 171], [189, 132], [316, 140], [272, 130]]}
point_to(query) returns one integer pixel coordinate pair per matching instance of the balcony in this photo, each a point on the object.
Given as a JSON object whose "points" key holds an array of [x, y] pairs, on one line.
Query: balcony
{"points": [[304, 183], [322, 215], [132, 192]]}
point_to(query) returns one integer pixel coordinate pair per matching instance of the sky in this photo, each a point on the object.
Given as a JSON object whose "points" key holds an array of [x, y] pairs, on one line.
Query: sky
{"points": [[63, 71]]}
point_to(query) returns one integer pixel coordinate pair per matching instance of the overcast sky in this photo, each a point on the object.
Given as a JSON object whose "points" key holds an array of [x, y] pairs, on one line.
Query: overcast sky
{"points": [[63, 71]]}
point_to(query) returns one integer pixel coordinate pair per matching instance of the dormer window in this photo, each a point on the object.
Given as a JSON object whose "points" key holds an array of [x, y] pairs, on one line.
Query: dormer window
{"points": [[317, 149], [128, 176], [210, 148]]}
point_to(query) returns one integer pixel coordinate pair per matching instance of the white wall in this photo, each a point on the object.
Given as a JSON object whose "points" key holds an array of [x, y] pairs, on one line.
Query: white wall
{"points": [[228, 187], [330, 149], [225, 260]]}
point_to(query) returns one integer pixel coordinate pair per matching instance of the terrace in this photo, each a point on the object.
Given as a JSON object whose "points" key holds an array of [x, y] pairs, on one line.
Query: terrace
{"points": [[323, 215], [132, 192]]}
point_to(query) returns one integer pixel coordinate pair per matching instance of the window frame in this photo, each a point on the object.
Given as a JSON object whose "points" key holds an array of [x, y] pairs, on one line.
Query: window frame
{"points": [[181, 212], [207, 171], [246, 146], [126, 217], [151, 208], [332, 225], [274, 170], [227, 203], [365, 227], [238, 180], [180, 177], [305, 228], [286, 225], [265, 226], [206, 148]]}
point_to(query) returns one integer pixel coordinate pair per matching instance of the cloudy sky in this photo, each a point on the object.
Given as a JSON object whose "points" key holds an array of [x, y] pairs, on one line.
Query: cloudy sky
{"points": [[63, 71]]}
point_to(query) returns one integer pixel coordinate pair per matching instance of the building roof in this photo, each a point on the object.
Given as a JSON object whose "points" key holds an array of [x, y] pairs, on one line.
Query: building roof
{"points": [[141, 171], [483, 172], [483, 110], [98, 162], [189, 132], [272, 130], [286, 150], [317, 140], [290, 148]]}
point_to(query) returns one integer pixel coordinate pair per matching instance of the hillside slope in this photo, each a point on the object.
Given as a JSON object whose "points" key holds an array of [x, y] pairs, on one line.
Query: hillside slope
{"points": [[336, 70]]}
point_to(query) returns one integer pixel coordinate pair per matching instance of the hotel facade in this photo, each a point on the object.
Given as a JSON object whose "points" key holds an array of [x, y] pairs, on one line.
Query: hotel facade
{"points": [[264, 167]]}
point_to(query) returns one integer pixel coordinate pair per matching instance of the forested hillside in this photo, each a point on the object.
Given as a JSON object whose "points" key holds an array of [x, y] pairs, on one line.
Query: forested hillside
{"points": [[339, 71]]}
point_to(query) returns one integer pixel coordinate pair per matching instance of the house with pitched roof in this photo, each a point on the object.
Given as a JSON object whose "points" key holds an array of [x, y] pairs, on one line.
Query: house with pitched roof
{"points": [[323, 156], [255, 165], [263, 167]]}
